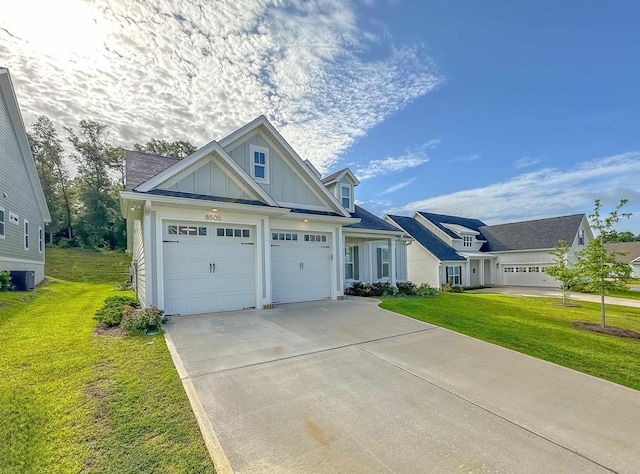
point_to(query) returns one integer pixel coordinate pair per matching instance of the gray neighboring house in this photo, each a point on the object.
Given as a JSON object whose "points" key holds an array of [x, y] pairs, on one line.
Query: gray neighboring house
{"points": [[470, 253], [23, 208], [632, 254]]}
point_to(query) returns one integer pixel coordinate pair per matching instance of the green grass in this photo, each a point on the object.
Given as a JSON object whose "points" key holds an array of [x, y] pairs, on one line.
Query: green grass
{"points": [[538, 327], [87, 266], [74, 402], [634, 295]]}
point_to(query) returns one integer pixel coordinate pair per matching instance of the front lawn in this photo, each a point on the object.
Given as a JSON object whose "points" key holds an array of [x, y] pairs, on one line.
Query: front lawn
{"points": [[633, 295], [538, 327], [87, 266], [71, 401]]}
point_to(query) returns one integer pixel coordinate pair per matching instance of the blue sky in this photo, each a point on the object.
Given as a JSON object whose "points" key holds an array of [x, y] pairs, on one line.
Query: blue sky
{"points": [[498, 110]]}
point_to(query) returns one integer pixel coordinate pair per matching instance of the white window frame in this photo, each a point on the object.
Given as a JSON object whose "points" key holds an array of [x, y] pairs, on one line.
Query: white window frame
{"points": [[455, 272], [581, 237], [3, 223], [40, 240], [467, 241], [253, 149], [380, 264], [350, 197], [25, 227], [353, 262]]}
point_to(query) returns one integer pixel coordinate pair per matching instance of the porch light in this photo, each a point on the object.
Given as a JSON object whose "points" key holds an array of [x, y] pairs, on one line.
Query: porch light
{"points": [[214, 210], [306, 220]]}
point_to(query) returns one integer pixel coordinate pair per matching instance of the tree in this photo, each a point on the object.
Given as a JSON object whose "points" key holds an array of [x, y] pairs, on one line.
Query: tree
{"points": [[622, 237], [177, 149], [48, 154], [563, 271], [99, 221], [601, 270]]}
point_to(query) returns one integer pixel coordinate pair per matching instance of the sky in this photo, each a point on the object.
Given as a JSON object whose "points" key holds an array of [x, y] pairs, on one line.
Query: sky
{"points": [[497, 110]]}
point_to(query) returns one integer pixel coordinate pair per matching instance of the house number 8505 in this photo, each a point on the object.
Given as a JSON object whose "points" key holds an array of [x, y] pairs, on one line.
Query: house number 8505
{"points": [[213, 217]]}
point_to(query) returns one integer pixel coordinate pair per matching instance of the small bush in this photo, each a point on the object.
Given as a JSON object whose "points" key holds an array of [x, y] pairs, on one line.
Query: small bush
{"points": [[426, 291], [379, 288], [407, 288], [111, 311], [5, 280], [140, 320], [449, 288], [124, 286]]}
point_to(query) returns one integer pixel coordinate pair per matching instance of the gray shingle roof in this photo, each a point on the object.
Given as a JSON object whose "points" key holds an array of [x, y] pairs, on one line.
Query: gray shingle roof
{"points": [[531, 235], [439, 219], [369, 221], [204, 197], [141, 167], [427, 239], [632, 250]]}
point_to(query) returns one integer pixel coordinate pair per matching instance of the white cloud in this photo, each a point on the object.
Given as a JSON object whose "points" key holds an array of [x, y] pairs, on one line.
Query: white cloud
{"points": [[465, 159], [197, 70], [543, 193], [526, 162], [398, 186], [411, 158]]}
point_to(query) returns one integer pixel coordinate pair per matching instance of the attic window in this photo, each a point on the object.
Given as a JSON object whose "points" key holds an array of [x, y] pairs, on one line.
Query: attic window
{"points": [[259, 163], [345, 196], [581, 237], [467, 241]]}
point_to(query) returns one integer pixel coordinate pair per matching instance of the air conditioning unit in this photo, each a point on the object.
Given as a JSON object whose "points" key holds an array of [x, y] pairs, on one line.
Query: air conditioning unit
{"points": [[23, 280]]}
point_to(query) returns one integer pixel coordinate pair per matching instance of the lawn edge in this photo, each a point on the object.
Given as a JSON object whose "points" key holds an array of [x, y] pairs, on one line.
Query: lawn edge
{"points": [[220, 460]]}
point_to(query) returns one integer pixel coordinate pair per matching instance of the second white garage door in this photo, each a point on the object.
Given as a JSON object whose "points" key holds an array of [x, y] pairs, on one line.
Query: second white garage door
{"points": [[526, 275], [300, 266]]}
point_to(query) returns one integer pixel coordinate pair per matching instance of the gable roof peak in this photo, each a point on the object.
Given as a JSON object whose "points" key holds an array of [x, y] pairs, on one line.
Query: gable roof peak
{"points": [[332, 178]]}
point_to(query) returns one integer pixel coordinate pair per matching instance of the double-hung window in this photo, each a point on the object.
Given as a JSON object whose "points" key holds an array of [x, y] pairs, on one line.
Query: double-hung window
{"points": [[2, 223], [345, 196], [383, 262], [259, 163], [351, 263], [581, 237], [26, 234], [453, 275], [40, 240]]}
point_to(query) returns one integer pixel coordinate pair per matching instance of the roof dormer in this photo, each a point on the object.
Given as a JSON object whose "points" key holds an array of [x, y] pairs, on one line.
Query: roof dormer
{"points": [[342, 184]]}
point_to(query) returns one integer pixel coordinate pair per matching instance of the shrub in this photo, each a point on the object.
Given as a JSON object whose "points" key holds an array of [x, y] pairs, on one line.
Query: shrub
{"points": [[5, 280], [407, 288], [380, 288], [449, 288], [140, 320], [124, 286], [111, 311], [425, 290]]}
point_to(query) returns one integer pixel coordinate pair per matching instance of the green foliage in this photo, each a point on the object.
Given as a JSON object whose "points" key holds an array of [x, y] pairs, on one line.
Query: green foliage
{"points": [[380, 288], [426, 291], [600, 269], [140, 320], [89, 266], [538, 327], [112, 310], [5, 280], [614, 236], [563, 271], [177, 149], [450, 288], [71, 401], [407, 288]]}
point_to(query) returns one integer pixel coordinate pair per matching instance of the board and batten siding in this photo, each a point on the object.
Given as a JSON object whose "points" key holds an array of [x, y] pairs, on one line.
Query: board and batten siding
{"points": [[208, 179], [138, 257], [424, 267], [284, 184], [21, 200]]}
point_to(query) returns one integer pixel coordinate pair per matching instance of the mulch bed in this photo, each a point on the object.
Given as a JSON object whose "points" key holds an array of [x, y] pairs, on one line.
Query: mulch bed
{"points": [[610, 330], [104, 330]]}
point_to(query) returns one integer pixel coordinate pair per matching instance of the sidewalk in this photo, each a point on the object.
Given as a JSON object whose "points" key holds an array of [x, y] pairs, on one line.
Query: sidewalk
{"points": [[555, 293]]}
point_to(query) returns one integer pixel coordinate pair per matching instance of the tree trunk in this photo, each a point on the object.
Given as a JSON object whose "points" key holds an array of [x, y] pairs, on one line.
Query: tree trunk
{"points": [[603, 324]]}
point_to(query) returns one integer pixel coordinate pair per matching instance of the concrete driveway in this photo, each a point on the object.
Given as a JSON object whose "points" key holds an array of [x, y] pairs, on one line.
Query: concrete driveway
{"points": [[344, 386]]}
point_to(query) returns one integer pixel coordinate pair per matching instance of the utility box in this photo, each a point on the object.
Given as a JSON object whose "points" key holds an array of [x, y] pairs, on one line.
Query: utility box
{"points": [[23, 280]]}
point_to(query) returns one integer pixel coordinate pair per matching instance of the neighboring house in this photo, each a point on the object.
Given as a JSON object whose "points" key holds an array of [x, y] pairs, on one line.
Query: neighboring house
{"points": [[632, 254], [467, 252], [23, 208], [244, 222]]}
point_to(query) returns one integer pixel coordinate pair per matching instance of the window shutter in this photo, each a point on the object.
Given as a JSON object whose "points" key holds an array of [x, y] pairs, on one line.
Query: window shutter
{"points": [[446, 275], [356, 263], [379, 262]]}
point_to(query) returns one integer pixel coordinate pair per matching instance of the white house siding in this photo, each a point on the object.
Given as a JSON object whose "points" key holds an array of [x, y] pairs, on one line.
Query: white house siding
{"points": [[138, 258], [208, 179], [424, 267], [401, 261], [21, 200], [635, 270], [284, 184], [575, 246]]}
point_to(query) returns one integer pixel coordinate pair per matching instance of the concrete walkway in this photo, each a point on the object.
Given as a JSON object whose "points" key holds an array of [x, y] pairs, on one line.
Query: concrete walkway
{"points": [[344, 386], [555, 293]]}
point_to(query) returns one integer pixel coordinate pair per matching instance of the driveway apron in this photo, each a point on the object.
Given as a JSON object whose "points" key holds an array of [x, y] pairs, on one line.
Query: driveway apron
{"points": [[344, 386]]}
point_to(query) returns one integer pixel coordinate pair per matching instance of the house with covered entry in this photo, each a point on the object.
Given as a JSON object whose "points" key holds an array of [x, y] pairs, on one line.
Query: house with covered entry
{"points": [[23, 207], [467, 252], [245, 222], [627, 252]]}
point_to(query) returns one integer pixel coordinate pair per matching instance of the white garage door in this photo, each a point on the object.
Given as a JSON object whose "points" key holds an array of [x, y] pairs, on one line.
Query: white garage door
{"points": [[300, 266], [208, 268], [526, 275]]}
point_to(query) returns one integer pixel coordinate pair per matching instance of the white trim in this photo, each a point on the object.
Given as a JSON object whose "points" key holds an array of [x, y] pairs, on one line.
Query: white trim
{"points": [[340, 175], [349, 188], [26, 240], [397, 233], [4, 223], [148, 254], [40, 240], [309, 207], [14, 218], [259, 149]]}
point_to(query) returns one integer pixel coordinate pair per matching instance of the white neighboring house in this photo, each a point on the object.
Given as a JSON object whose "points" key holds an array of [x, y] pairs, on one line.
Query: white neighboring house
{"points": [[470, 253], [632, 254], [23, 208], [244, 222]]}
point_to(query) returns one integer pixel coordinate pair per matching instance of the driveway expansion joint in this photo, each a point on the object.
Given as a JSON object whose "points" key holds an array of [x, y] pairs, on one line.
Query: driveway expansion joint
{"points": [[471, 402]]}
